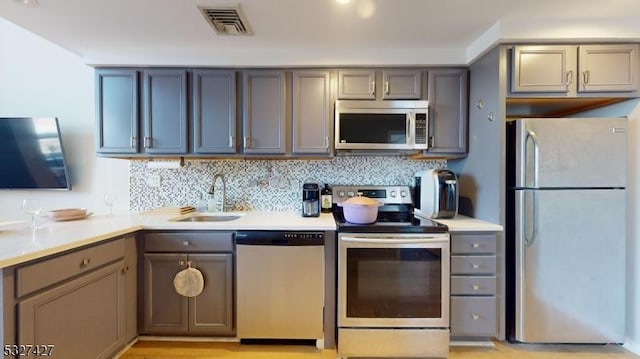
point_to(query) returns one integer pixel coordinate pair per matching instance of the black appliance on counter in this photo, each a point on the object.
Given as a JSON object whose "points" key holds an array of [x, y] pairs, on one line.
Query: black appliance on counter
{"points": [[310, 199]]}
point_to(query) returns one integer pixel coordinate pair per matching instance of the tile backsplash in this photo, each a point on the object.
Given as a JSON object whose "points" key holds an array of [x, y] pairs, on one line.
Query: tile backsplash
{"points": [[263, 184]]}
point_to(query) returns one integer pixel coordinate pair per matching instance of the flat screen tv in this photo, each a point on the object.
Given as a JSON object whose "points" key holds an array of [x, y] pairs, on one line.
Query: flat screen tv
{"points": [[31, 154]]}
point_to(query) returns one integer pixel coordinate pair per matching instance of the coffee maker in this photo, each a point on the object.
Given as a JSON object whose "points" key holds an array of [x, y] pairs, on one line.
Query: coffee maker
{"points": [[310, 199]]}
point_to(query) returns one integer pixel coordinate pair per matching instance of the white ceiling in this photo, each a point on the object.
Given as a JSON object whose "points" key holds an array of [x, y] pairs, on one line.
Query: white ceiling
{"points": [[316, 32]]}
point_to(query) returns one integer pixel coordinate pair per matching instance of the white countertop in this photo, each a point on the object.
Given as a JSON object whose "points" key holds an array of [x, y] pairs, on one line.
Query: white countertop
{"points": [[462, 223], [19, 244]]}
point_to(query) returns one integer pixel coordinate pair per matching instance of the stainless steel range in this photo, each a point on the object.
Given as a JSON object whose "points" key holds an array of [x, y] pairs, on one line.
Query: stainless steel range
{"points": [[393, 279]]}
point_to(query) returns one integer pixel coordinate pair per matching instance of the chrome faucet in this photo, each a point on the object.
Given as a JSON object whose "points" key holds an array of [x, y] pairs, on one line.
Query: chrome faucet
{"points": [[224, 190]]}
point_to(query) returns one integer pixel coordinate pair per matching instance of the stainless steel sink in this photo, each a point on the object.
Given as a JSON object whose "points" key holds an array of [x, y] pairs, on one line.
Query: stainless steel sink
{"points": [[217, 217]]}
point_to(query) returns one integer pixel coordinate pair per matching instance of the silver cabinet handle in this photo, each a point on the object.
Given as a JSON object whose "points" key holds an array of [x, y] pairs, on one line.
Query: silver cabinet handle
{"points": [[475, 316], [85, 262], [569, 78], [476, 245], [386, 87], [326, 142], [245, 142], [181, 263], [475, 266], [230, 141], [147, 142], [133, 142], [372, 87], [585, 79], [475, 287], [186, 243]]}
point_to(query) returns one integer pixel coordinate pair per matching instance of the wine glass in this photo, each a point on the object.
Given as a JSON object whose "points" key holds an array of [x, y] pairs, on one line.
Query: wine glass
{"points": [[110, 199], [32, 207]]}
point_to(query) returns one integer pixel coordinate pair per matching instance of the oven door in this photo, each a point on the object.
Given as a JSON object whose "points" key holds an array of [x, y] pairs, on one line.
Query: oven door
{"points": [[393, 280], [381, 129]]}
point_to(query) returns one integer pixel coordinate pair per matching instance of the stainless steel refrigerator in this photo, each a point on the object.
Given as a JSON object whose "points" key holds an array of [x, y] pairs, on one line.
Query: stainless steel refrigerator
{"points": [[566, 230]]}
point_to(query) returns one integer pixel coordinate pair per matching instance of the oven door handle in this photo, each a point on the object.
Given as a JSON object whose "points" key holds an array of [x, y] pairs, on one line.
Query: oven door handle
{"points": [[394, 240]]}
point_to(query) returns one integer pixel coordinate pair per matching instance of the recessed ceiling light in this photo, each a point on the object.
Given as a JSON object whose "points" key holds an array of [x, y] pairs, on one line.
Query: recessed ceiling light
{"points": [[343, 1], [30, 3]]}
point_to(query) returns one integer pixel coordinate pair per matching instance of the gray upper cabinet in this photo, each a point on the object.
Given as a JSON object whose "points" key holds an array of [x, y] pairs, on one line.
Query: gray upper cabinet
{"points": [[265, 112], [165, 111], [448, 113], [356, 84], [404, 84], [604, 68], [311, 115], [387, 84], [214, 111], [543, 68], [116, 111], [570, 70]]}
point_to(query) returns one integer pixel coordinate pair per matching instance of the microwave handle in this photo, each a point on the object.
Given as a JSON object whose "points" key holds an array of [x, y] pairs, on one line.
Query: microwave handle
{"points": [[410, 128]]}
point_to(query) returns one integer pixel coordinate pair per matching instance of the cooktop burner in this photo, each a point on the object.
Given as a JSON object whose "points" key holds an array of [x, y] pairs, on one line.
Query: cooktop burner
{"points": [[394, 216]]}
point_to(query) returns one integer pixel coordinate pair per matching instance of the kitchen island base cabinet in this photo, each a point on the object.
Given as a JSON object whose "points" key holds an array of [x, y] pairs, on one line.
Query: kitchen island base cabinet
{"points": [[77, 318], [73, 305]]}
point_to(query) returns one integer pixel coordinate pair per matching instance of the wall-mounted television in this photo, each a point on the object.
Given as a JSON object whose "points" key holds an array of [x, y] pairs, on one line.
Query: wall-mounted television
{"points": [[31, 154]]}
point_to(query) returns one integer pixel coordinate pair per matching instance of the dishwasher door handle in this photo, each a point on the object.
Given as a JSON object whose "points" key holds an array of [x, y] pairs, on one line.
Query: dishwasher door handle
{"points": [[395, 240]]}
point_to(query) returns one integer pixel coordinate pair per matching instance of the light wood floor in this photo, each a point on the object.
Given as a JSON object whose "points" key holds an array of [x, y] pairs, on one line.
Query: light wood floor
{"points": [[200, 350]]}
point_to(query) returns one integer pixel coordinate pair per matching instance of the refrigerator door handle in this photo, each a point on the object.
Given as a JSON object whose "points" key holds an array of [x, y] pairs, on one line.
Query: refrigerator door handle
{"points": [[534, 139], [529, 217]]}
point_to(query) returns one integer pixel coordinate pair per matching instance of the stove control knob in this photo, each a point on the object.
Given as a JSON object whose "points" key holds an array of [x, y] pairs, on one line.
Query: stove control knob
{"points": [[393, 194], [403, 194]]}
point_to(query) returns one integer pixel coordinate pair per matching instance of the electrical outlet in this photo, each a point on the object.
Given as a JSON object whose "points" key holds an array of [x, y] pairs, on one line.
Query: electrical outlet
{"points": [[153, 180]]}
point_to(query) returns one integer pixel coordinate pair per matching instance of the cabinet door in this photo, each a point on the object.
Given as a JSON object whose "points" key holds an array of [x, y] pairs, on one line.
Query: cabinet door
{"points": [[165, 111], [448, 112], [81, 318], [214, 111], [130, 272], [212, 310], [165, 310], [312, 115], [604, 68], [116, 111], [544, 69], [401, 84], [357, 84], [264, 112]]}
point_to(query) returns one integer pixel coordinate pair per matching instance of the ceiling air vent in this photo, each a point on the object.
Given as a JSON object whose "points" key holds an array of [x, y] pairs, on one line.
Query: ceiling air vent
{"points": [[226, 20]]}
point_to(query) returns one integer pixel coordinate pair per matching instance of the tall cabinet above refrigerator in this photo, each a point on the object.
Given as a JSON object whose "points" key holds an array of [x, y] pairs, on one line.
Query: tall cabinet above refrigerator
{"points": [[566, 230]]}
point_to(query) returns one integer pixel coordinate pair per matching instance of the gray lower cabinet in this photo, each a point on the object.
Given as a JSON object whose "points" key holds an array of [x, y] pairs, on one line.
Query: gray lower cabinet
{"points": [[213, 111], [448, 113], [166, 311], [165, 111], [116, 111], [77, 302], [473, 285], [311, 112], [265, 114]]}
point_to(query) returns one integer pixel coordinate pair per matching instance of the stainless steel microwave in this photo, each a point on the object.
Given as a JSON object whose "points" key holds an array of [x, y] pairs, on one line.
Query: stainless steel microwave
{"points": [[381, 125]]}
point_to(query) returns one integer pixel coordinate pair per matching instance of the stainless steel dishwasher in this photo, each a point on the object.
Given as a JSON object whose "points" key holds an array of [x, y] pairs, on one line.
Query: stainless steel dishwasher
{"points": [[280, 285]]}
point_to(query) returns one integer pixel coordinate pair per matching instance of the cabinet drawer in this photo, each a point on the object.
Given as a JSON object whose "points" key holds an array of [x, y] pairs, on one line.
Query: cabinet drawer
{"points": [[50, 271], [473, 285], [473, 243], [473, 264], [473, 316], [188, 242]]}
